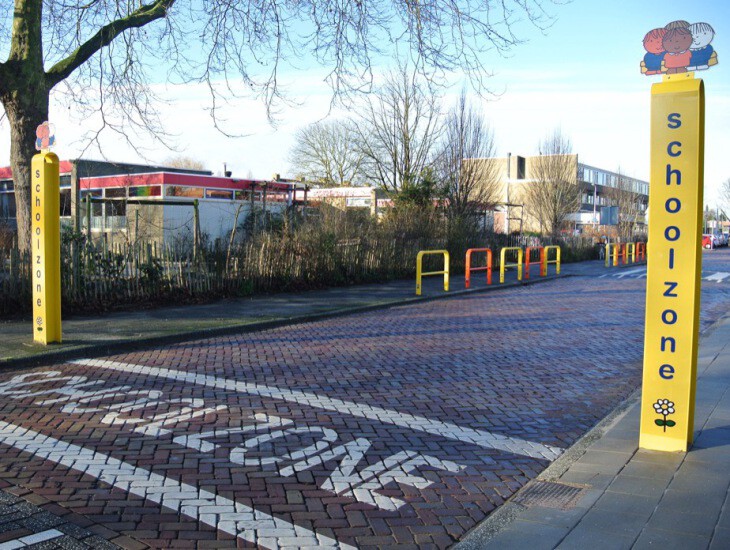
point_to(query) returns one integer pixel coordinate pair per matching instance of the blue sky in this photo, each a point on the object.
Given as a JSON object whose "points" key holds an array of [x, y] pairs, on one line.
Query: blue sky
{"points": [[581, 74]]}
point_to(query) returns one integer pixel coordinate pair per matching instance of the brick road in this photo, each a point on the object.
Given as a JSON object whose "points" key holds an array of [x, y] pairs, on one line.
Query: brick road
{"points": [[398, 427]]}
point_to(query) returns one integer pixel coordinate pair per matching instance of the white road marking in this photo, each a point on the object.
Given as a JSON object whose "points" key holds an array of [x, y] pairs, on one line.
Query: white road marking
{"points": [[221, 513], [481, 438], [626, 273], [719, 276], [29, 540]]}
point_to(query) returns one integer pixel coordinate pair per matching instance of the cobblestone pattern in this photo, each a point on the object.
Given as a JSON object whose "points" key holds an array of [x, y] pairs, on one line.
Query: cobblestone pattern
{"points": [[540, 364], [20, 518]]}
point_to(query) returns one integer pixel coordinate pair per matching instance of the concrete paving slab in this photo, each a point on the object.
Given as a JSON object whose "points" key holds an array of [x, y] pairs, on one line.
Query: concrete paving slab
{"points": [[674, 517], [625, 503], [614, 524], [641, 486], [720, 539], [524, 534], [580, 539], [652, 538], [557, 517]]}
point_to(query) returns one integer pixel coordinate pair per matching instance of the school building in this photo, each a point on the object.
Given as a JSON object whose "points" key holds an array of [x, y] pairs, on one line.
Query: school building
{"points": [[597, 188], [155, 203]]}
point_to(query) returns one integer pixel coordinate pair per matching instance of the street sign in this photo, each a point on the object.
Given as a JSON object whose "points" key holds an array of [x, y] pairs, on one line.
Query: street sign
{"points": [[609, 215], [671, 335], [46, 248]]}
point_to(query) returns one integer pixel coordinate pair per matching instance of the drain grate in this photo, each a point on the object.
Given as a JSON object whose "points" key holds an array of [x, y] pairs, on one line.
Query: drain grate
{"points": [[549, 494]]}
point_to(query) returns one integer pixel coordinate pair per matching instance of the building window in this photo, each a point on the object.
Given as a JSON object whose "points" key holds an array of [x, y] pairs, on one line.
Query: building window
{"points": [[116, 193], [218, 194], [520, 168], [184, 191], [116, 208], [65, 202], [145, 191], [96, 207], [7, 205]]}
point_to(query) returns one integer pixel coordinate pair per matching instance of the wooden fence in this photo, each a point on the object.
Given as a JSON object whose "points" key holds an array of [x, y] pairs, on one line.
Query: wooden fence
{"points": [[98, 277]]}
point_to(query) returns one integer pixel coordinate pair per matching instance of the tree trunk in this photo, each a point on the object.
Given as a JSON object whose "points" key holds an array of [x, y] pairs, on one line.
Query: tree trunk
{"points": [[24, 94], [25, 112]]}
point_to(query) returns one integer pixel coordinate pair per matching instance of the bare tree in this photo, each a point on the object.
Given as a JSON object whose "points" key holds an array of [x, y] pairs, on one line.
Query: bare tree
{"points": [[553, 192], [183, 162], [328, 153], [725, 193], [398, 130], [626, 196], [466, 165], [102, 54]]}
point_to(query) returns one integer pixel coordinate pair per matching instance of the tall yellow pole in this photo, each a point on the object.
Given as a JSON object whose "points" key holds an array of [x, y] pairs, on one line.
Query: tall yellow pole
{"points": [[46, 248], [674, 266]]}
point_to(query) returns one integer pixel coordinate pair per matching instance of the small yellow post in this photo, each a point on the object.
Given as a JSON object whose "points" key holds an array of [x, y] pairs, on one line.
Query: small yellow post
{"points": [[46, 248]]}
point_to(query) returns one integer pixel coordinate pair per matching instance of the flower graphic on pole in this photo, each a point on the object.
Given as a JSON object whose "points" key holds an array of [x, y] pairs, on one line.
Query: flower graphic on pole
{"points": [[665, 407]]}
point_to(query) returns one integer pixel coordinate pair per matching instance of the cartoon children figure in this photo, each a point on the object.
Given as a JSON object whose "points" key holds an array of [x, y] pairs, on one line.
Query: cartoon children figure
{"points": [[654, 52], [44, 137], [679, 24], [678, 47], [701, 51], [676, 42]]}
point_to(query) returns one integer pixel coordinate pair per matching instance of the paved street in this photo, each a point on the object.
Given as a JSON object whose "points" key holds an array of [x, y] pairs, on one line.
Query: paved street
{"points": [[405, 426]]}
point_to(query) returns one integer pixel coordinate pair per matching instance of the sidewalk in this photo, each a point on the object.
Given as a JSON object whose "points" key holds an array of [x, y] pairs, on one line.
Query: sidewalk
{"points": [[85, 336], [605, 493]]}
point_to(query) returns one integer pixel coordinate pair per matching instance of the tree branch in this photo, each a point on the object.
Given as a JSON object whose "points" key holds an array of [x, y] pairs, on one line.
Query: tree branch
{"points": [[104, 37]]}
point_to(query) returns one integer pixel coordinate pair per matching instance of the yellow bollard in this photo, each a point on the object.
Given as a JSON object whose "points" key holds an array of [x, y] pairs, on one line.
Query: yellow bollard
{"points": [[419, 269], [46, 248]]}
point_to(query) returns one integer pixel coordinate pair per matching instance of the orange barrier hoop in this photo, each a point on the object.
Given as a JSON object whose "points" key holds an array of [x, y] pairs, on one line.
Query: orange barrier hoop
{"points": [[641, 251], [527, 260], [469, 268], [623, 253]]}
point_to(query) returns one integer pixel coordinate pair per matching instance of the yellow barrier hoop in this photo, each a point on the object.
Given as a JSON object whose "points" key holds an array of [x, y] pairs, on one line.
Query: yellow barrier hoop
{"points": [[631, 252], [419, 269], [556, 261], [502, 263], [615, 247]]}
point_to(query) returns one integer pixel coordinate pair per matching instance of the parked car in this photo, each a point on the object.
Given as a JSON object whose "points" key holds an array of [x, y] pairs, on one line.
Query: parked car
{"points": [[721, 239], [709, 241]]}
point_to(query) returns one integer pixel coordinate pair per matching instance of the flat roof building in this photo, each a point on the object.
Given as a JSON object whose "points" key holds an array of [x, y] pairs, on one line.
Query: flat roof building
{"points": [[153, 203]]}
